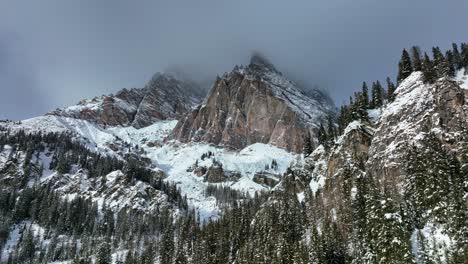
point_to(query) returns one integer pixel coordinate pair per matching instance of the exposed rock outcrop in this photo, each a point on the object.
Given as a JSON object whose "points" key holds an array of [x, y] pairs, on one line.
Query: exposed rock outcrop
{"points": [[266, 178], [166, 96], [418, 109], [256, 104]]}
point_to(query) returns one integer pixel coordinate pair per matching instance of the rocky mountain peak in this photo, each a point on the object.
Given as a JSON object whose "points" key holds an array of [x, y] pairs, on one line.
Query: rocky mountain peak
{"points": [[255, 104], [259, 61], [168, 95]]}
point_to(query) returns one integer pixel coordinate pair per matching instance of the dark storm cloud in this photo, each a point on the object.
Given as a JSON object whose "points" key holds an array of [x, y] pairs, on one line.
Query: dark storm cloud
{"points": [[84, 48]]}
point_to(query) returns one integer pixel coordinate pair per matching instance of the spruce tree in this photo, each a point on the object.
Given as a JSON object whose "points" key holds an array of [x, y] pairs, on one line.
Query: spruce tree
{"points": [[464, 56], [331, 133], [377, 92], [322, 135], [404, 66], [423, 255], [441, 65], [457, 60], [104, 254], [391, 89], [393, 244], [365, 95], [307, 149], [428, 69], [167, 245], [416, 58], [451, 64]]}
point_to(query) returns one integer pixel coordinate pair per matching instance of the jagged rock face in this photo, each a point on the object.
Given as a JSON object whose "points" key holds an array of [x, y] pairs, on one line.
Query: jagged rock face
{"points": [[351, 149], [419, 108], [113, 188], [255, 104], [106, 110], [266, 178], [166, 96]]}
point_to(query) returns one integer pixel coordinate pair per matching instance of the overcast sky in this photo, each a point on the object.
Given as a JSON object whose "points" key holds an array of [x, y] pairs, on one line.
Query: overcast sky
{"points": [[56, 52]]}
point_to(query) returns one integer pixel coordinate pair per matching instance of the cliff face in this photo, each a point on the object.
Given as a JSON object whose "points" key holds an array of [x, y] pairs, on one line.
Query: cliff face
{"points": [[374, 152], [255, 104], [418, 109], [166, 96]]}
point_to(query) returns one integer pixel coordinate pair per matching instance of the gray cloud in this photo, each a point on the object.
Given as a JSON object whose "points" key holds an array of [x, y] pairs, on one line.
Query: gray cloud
{"points": [[78, 49]]}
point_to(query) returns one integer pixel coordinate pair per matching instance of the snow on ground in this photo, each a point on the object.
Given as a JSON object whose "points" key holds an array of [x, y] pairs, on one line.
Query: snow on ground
{"points": [[95, 137], [374, 114], [436, 240], [174, 159], [319, 155], [155, 132], [461, 77], [12, 241], [411, 91]]}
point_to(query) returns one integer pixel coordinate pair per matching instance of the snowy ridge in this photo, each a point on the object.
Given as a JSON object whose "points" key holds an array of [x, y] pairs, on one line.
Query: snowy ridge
{"points": [[95, 137], [412, 99]]}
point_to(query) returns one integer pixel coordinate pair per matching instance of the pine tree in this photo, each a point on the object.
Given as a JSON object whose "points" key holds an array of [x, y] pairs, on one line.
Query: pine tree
{"points": [[167, 245], [360, 236], [451, 64], [441, 65], [104, 254], [391, 89], [307, 149], [365, 95], [377, 92], [27, 247], [415, 185], [457, 60], [416, 58], [322, 135], [428, 69], [423, 255], [404, 67], [392, 240], [464, 56], [344, 118], [331, 133]]}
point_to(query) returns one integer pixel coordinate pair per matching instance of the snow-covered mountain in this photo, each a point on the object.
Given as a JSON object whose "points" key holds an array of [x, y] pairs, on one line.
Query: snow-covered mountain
{"points": [[158, 169], [178, 162], [253, 104], [167, 95], [428, 117]]}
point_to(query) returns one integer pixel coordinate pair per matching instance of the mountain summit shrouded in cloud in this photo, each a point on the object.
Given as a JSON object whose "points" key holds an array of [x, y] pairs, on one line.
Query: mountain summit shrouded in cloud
{"points": [[215, 154]]}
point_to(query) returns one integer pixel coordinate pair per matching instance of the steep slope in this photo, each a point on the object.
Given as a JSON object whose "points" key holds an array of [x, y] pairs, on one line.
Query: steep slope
{"points": [[364, 187], [106, 110], [166, 96], [256, 104], [418, 109]]}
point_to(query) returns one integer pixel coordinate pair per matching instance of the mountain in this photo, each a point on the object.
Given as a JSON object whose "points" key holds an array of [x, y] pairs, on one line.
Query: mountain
{"points": [[166, 96], [256, 104], [386, 188], [115, 180]]}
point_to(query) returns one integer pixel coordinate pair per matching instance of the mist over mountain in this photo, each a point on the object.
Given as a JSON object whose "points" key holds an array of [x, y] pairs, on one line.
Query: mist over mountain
{"points": [[236, 132]]}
